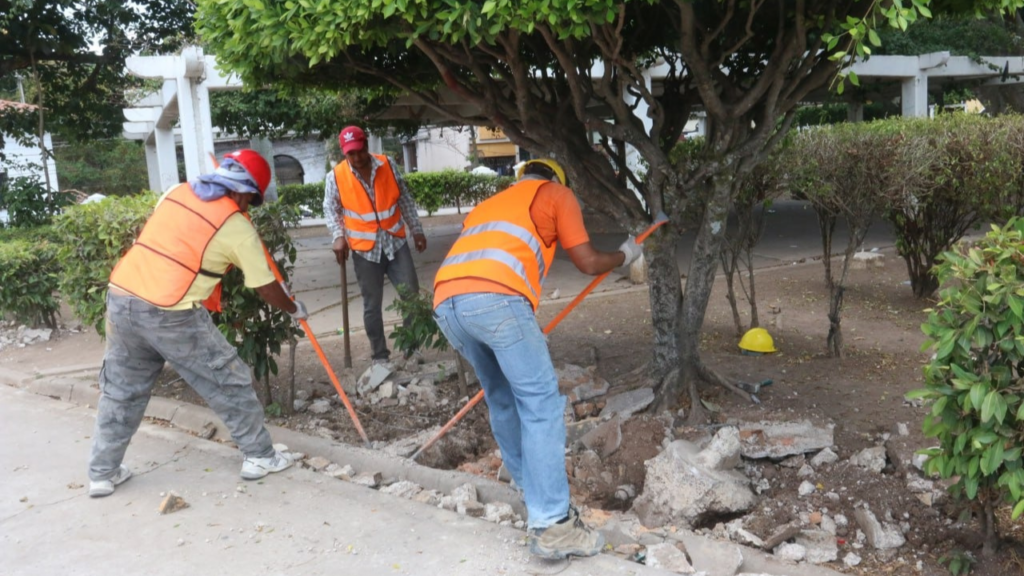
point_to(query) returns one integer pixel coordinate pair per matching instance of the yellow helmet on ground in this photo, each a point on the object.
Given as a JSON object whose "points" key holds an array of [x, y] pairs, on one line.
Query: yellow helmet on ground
{"points": [[554, 166], [757, 340]]}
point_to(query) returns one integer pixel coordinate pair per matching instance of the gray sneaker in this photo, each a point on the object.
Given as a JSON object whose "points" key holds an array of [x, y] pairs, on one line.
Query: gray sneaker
{"points": [[569, 537], [101, 488]]}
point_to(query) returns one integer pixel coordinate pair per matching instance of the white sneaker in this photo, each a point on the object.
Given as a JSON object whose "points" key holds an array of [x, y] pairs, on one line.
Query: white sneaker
{"points": [[256, 468], [101, 488]]}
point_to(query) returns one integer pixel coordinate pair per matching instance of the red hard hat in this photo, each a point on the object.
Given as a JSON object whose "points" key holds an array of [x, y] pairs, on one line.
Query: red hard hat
{"points": [[255, 165]]}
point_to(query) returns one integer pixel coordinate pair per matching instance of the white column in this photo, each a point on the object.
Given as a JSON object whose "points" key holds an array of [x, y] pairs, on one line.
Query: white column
{"points": [[187, 120], [166, 158], [153, 165], [915, 96]]}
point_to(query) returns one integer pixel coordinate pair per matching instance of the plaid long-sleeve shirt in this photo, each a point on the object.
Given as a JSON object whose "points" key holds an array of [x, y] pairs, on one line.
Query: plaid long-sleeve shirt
{"points": [[386, 244]]}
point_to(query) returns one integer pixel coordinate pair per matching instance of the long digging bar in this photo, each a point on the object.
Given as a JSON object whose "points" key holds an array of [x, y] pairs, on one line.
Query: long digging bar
{"points": [[344, 315], [323, 358], [659, 220], [312, 337]]}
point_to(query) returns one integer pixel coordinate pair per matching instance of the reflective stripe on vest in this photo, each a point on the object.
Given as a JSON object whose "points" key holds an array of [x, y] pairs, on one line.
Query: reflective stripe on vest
{"points": [[362, 218], [162, 265], [499, 242]]}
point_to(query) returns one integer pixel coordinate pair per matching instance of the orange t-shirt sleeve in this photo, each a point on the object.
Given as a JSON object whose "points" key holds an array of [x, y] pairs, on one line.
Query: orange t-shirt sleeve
{"points": [[557, 214]]}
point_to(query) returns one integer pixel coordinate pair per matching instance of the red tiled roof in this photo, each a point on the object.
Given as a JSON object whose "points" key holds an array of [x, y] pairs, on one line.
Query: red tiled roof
{"points": [[8, 104]]}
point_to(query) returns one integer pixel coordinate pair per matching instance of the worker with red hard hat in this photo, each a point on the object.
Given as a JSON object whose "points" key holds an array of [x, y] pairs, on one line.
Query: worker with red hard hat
{"points": [[158, 303]]}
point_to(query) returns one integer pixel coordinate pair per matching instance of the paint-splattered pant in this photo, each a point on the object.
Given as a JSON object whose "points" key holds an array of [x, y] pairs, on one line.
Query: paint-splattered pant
{"points": [[140, 338]]}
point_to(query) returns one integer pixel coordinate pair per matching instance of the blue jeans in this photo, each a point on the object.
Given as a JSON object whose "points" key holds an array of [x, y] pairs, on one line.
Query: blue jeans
{"points": [[498, 334]]}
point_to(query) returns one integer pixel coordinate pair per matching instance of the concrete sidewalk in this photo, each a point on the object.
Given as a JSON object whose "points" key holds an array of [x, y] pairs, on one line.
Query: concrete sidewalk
{"points": [[295, 522]]}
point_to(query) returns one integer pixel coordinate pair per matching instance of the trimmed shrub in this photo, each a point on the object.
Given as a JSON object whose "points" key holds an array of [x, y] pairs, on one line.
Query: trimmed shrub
{"points": [[28, 279], [309, 198], [432, 190], [972, 381], [92, 239]]}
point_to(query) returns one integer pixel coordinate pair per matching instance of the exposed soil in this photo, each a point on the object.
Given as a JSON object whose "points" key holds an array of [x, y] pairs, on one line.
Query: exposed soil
{"points": [[861, 393]]}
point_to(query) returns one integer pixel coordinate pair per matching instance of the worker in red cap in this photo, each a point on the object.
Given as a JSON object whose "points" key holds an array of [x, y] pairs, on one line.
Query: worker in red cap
{"points": [[157, 305], [371, 213]]}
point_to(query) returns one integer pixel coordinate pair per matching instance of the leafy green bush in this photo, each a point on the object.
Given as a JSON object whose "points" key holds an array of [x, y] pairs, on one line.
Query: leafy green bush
{"points": [[92, 239], [309, 197], [254, 327], [423, 333], [973, 381], [28, 203], [28, 280], [433, 190]]}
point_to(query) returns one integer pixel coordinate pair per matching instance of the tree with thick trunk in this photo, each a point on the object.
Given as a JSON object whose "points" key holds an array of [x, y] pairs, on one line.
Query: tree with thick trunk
{"points": [[560, 77]]}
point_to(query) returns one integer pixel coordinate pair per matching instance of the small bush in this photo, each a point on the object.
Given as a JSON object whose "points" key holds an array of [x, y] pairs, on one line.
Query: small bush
{"points": [[29, 204], [309, 198], [92, 239], [432, 190], [28, 281], [423, 333], [972, 382]]}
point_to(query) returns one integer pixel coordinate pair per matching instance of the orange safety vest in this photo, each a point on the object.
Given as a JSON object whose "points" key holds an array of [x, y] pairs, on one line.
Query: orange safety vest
{"points": [[362, 218], [500, 243], [165, 260]]}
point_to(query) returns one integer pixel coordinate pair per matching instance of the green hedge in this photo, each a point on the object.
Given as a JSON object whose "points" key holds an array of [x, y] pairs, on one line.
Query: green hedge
{"points": [[431, 190], [28, 277], [307, 196], [93, 237]]}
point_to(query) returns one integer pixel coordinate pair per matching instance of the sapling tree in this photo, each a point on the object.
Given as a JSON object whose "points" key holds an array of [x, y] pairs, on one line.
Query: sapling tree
{"points": [[974, 382]]}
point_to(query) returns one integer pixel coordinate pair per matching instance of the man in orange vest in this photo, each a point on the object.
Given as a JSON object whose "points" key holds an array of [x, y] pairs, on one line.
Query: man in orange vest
{"points": [[156, 314], [486, 294], [368, 208]]}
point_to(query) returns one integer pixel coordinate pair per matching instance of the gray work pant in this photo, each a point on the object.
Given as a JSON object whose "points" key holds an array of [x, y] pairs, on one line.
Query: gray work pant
{"points": [[140, 338], [370, 275]]}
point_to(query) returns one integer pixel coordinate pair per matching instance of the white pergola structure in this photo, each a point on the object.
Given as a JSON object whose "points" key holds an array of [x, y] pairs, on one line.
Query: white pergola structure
{"points": [[189, 78], [184, 98]]}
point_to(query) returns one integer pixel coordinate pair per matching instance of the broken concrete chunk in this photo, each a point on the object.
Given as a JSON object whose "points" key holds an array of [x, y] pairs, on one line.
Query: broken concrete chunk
{"points": [[668, 557], [406, 447], [471, 508], [793, 461], [172, 503], [464, 493], [781, 439], [713, 557], [403, 489], [581, 383], [575, 431], [723, 452], [805, 471], [387, 390], [851, 559], [826, 456], [499, 512], [819, 546], [881, 536], [340, 472], [790, 552], [680, 490], [628, 403], [317, 463], [738, 534], [781, 534], [320, 406], [870, 458], [605, 439], [901, 451], [865, 260], [428, 497], [372, 378], [806, 488], [368, 479]]}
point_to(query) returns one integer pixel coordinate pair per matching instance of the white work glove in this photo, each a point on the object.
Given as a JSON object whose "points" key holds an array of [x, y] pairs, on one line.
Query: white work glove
{"points": [[300, 311], [631, 249]]}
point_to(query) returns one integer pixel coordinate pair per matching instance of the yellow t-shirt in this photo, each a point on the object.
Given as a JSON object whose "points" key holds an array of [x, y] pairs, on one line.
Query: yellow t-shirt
{"points": [[236, 243]]}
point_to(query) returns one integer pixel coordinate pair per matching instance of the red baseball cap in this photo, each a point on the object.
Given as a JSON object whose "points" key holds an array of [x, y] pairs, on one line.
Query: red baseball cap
{"points": [[352, 138]]}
